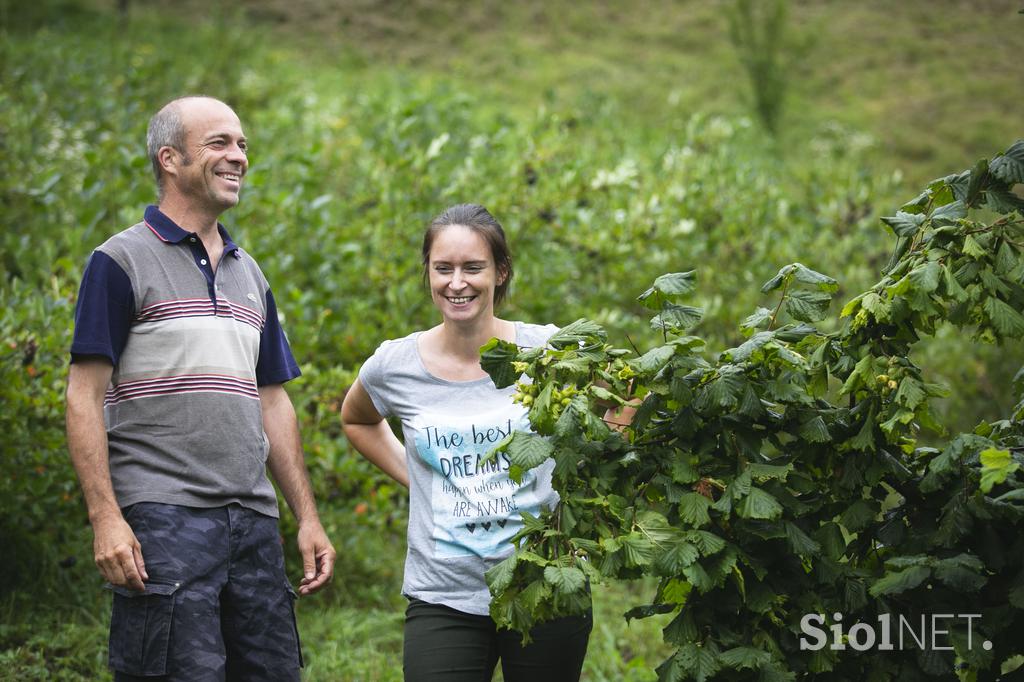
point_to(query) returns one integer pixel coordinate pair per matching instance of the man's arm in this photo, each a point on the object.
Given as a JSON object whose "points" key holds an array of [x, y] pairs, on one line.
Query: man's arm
{"points": [[116, 550], [288, 467]]}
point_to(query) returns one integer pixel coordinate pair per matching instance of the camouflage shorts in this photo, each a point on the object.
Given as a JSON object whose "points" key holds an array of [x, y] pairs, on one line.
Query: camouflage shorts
{"points": [[217, 604]]}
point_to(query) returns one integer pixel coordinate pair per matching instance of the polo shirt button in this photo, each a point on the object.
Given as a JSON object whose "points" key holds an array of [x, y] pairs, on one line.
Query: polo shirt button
{"points": [[202, 261], [192, 239]]}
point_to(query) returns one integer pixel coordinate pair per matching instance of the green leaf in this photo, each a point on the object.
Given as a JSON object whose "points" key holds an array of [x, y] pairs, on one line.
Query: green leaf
{"points": [[860, 376], [1007, 258], [582, 331], [996, 466], [808, 306], [745, 657], [1015, 495], [865, 438], [949, 213], [536, 593], [707, 542], [765, 472], [743, 352], [565, 579], [750, 405], [759, 504], [859, 515], [800, 542], [638, 550], [904, 224], [977, 181], [814, 431], [655, 527], [758, 319], [677, 318], [724, 391], [962, 572], [1005, 319], [500, 576], [527, 450], [682, 629], [1009, 167], [653, 360], [955, 523], [675, 558], [1002, 200], [805, 275], [682, 471], [496, 358], [648, 610], [876, 305], [668, 288], [900, 581], [773, 673], [973, 249], [693, 508], [540, 414], [802, 274], [910, 393], [925, 278], [855, 595], [953, 288], [700, 661]]}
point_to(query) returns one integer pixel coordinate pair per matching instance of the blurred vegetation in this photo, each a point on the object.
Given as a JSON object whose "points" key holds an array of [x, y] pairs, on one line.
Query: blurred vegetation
{"points": [[614, 143]]}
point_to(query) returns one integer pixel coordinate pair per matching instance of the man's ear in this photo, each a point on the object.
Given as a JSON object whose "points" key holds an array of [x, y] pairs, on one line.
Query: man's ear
{"points": [[168, 157]]}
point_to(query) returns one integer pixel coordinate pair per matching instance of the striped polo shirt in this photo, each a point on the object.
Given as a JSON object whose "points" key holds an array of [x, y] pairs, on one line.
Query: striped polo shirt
{"points": [[189, 349]]}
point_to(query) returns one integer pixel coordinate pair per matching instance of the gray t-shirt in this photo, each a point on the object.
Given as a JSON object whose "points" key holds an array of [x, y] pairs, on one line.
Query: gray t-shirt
{"points": [[462, 512]]}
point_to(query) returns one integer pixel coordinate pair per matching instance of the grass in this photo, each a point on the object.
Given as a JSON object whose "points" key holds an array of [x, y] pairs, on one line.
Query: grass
{"points": [[365, 644], [348, 642]]}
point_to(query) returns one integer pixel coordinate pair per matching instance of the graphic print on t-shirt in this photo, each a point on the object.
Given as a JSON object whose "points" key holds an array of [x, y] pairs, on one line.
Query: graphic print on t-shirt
{"points": [[475, 505]]}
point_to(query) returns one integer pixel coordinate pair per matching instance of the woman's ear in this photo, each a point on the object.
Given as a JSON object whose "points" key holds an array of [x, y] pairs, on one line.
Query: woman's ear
{"points": [[502, 276]]}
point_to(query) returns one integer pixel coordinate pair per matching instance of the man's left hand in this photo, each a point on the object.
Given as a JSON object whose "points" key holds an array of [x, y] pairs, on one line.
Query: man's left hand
{"points": [[317, 557]]}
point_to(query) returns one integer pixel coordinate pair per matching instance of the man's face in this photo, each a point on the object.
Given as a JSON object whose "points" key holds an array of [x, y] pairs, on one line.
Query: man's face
{"points": [[211, 170]]}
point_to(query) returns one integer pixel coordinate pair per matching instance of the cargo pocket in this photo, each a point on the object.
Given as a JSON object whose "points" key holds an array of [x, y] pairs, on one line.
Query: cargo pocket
{"points": [[140, 629], [295, 626]]}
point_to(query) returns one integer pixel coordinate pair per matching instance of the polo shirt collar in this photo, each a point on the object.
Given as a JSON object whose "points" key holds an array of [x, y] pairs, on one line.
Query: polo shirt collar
{"points": [[170, 232]]}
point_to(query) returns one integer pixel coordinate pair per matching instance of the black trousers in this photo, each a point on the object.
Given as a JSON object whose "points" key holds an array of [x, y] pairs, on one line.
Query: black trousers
{"points": [[445, 645]]}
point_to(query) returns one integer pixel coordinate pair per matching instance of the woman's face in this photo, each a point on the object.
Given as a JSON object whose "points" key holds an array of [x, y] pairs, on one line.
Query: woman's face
{"points": [[462, 274]]}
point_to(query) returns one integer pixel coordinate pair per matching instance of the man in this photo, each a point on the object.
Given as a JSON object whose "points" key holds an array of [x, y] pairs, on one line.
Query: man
{"points": [[175, 409]]}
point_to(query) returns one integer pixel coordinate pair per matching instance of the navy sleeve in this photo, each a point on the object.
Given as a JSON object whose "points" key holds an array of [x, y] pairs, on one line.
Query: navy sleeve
{"points": [[275, 364], [103, 314]]}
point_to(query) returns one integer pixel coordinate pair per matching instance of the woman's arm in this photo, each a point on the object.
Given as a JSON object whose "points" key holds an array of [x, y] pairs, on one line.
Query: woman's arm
{"points": [[371, 435]]}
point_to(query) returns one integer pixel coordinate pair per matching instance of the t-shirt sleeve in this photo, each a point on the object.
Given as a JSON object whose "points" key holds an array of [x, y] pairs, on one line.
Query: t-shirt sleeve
{"points": [[537, 335], [103, 314], [371, 376], [275, 364]]}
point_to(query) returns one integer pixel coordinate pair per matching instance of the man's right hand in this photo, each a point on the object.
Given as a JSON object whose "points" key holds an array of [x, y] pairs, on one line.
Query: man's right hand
{"points": [[118, 553]]}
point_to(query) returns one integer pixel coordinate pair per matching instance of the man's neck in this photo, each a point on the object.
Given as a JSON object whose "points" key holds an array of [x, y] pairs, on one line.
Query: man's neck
{"points": [[190, 218]]}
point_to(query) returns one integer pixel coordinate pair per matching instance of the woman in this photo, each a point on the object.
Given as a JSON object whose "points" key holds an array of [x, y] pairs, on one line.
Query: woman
{"points": [[462, 511]]}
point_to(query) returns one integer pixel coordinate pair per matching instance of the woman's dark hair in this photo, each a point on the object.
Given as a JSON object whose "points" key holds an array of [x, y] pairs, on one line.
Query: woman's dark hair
{"points": [[479, 220]]}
